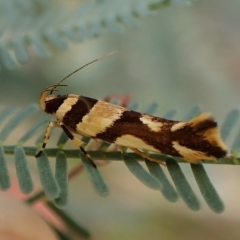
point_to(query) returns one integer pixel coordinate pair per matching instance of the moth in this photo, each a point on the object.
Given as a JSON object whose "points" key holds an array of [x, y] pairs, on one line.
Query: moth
{"points": [[195, 140]]}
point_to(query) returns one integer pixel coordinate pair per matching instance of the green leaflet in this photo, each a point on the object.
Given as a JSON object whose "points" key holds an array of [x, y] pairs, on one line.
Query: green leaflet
{"points": [[27, 26]]}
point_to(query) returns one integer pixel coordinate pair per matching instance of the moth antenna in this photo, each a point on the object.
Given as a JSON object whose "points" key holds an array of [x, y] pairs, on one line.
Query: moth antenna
{"points": [[95, 60], [53, 88]]}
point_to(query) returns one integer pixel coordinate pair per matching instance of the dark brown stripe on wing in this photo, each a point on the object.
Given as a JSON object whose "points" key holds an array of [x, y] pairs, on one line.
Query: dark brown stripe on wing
{"points": [[195, 140], [78, 111], [130, 123], [187, 136], [53, 104]]}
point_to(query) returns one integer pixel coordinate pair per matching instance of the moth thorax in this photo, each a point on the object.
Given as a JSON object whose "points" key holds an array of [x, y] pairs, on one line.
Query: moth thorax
{"points": [[52, 103], [50, 97]]}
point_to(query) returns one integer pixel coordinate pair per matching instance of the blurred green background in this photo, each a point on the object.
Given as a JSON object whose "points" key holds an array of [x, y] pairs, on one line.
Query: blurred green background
{"points": [[180, 57]]}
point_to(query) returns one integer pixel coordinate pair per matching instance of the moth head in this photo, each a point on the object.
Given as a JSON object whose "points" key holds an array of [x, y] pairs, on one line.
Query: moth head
{"points": [[47, 95]]}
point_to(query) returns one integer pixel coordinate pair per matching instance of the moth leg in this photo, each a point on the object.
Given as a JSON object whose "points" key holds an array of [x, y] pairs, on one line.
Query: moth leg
{"points": [[142, 154], [77, 142], [46, 137]]}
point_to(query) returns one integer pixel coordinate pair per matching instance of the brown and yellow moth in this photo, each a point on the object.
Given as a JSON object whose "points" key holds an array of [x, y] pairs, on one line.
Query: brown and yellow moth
{"points": [[195, 140]]}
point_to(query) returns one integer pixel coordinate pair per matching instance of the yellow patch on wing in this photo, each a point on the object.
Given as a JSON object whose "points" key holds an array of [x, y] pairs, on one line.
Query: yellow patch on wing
{"points": [[134, 142], [66, 106], [200, 119], [213, 137], [152, 125], [178, 126], [101, 116], [190, 155]]}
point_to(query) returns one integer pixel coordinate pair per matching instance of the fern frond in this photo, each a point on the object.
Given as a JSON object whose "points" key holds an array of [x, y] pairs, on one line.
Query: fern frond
{"points": [[44, 24], [61, 175], [183, 187], [95, 176], [48, 181], [55, 187]]}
